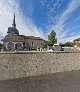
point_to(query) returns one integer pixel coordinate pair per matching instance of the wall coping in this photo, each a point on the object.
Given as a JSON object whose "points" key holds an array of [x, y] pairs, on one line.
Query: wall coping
{"points": [[36, 52]]}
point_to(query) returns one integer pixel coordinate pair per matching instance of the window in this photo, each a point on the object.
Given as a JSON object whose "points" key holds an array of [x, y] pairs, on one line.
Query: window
{"points": [[76, 41], [32, 44]]}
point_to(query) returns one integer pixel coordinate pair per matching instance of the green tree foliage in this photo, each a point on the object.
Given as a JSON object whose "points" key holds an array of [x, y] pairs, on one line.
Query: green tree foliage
{"points": [[52, 38], [68, 44]]}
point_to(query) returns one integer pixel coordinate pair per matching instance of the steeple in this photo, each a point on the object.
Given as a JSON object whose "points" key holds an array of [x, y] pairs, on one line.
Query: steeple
{"points": [[12, 30], [14, 24]]}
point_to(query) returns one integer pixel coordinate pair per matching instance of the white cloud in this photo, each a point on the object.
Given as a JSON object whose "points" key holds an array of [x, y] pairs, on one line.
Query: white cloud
{"points": [[43, 2], [60, 26], [69, 38], [24, 25], [52, 6]]}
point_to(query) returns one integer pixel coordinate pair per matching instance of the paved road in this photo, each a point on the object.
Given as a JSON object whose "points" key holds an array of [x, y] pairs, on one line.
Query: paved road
{"points": [[60, 82]]}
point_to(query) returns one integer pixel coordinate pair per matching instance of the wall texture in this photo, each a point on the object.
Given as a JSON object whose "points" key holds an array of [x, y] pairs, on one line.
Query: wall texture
{"points": [[17, 65]]}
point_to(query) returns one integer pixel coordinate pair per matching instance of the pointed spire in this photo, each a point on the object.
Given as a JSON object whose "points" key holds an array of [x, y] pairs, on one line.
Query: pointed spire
{"points": [[14, 24]]}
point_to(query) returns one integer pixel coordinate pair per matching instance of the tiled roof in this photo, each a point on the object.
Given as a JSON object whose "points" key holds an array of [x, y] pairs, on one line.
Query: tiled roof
{"points": [[31, 37], [78, 39], [20, 38]]}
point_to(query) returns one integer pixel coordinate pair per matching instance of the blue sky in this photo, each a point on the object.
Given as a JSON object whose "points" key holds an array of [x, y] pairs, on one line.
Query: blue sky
{"points": [[40, 17]]}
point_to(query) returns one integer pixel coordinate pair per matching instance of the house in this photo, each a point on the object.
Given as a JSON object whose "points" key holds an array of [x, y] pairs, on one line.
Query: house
{"points": [[77, 42]]}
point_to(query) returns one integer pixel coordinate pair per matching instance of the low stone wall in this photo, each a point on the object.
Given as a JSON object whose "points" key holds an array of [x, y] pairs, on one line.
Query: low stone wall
{"points": [[17, 65]]}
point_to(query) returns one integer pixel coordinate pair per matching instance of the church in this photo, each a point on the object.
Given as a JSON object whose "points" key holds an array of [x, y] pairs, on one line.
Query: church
{"points": [[14, 41]]}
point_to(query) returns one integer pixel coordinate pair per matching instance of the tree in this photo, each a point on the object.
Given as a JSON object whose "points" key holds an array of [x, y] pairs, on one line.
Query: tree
{"points": [[52, 38], [69, 44]]}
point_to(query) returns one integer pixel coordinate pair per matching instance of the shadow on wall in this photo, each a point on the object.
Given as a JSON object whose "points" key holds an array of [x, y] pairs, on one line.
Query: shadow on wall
{"points": [[59, 82]]}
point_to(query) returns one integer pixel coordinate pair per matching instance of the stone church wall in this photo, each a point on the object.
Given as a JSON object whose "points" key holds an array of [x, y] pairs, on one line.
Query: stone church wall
{"points": [[18, 64]]}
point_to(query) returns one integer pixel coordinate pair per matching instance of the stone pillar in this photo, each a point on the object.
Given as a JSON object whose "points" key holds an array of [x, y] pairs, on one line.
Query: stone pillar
{"points": [[40, 49], [6, 46], [47, 47], [37, 48], [14, 45], [22, 44]]}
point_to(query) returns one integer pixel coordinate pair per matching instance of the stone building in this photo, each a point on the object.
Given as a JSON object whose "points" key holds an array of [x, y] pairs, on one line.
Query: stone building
{"points": [[14, 41], [77, 42]]}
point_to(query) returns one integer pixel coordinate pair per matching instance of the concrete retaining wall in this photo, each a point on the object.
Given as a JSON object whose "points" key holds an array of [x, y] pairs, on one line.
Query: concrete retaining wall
{"points": [[17, 65]]}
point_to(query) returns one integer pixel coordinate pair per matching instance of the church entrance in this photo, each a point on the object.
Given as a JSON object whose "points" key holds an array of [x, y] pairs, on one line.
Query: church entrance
{"points": [[10, 46], [18, 46]]}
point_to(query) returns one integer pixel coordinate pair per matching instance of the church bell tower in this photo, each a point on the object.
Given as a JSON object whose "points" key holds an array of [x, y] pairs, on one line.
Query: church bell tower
{"points": [[12, 30], [14, 24]]}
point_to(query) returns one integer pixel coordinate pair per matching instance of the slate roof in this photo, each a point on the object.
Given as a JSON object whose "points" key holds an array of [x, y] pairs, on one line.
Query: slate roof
{"points": [[13, 30]]}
